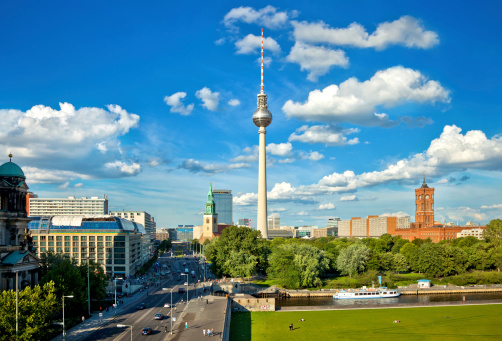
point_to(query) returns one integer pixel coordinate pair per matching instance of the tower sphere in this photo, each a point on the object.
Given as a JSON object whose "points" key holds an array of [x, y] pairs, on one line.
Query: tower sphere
{"points": [[262, 117]]}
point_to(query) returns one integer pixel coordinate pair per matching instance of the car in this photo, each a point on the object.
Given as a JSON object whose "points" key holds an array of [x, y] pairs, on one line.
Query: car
{"points": [[181, 290], [167, 305], [168, 272], [158, 316], [141, 306], [186, 283], [146, 331]]}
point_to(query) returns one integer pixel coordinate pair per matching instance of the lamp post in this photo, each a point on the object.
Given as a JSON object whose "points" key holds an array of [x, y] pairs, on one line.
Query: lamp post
{"points": [[17, 305], [64, 331], [125, 326], [187, 287], [171, 317], [88, 289]]}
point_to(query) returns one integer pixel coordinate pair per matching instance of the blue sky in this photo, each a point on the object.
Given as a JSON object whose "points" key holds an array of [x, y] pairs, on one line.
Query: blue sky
{"points": [[150, 102]]}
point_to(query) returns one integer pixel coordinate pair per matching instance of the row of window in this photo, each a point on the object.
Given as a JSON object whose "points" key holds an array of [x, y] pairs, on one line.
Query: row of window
{"points": [[421, 196]]}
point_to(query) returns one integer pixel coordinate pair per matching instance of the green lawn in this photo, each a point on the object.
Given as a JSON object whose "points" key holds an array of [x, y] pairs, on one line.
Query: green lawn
{"points": [[483, 322]]}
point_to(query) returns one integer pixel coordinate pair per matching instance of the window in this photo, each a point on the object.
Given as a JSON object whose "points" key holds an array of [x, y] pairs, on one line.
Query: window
{"points": [[100, 238], [92, 238], [42, 237], [427, 196], [51, 243], [100, 243], [75, 238], [84, 249], [42, 249], [51, 249], [100, 261], [432, 206], [100, 255], [59, 237], [75, 249], [59, 243], [83, 238], [67, 244], [51, 237], [67, 249], [109, 244], [92, 249], [108, 238], [422, 206], [66, 237], [42, 243], [59, 249], [85, 243]]}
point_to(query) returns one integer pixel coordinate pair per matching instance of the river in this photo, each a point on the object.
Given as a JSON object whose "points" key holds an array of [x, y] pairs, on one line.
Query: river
{"points": [[422, 299]]}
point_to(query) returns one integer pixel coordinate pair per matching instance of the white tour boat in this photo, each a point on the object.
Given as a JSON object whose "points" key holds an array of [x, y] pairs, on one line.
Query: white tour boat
{"points": [[365, 293]]}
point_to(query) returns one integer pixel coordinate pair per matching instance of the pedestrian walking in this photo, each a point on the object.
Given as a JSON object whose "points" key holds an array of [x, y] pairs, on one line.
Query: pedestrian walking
{"points": [[204, 332], [207, 301], [209, 332], [165, 327], [186, 325], [212, 331]]}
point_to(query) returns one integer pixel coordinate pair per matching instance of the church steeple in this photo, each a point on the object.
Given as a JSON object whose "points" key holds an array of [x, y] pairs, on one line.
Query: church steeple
{"points": [[210, 205]]}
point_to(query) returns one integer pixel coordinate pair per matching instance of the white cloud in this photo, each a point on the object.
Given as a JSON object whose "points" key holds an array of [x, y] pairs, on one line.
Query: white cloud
{"points": [[65, 185], [127, 169], [406, 31], [210, 100], [279, 209], [287, 160], [330, 135], [301, 213], [312, 156], [328, 206], [234, 102], [349, 198], [356, 102], [174, 101], [442, 181], [37, 175], [280, 149], [252, 44], [317, 60], [451, 152], [268, 17], [220, 41], [79, 185], [195, 166], [396, 214], [492, 207]]}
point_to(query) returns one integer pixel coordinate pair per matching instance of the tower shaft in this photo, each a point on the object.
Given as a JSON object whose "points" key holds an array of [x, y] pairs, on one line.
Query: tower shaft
{"points": [[262, 185]]}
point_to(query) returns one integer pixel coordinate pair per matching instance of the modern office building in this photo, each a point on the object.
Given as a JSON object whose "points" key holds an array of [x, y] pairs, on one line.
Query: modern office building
{"points": [[274, 222], [223, 201], [281, 233], [140, 217], [67, 206], [16, 248], [164, 234], [184, 233], [245, 222], [119, 245]]}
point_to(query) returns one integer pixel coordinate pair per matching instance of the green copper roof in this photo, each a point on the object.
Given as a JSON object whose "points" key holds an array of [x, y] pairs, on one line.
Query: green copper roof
{"points": [[11, 169], [210, 206]]}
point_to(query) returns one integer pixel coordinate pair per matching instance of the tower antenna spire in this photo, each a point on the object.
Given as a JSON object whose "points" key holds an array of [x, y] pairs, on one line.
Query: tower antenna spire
{"points": [[262, 89]]}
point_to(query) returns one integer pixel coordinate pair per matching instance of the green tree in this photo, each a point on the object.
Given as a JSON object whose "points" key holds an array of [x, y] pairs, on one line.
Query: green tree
{"points": [[297, 265], [398, 244], [352, 260], [236, 239], [399, 263], [165, 245], [407, 250], [241, 264], [493, 232], [37, 307]]}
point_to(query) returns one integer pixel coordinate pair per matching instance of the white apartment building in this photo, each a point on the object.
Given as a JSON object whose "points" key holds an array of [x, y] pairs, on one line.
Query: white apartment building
{"points": [[38, 207], [478, 233], [143, 218]]}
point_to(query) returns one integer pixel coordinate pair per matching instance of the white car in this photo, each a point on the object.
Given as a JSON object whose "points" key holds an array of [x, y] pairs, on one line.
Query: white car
{"points": [[167, 305], [186, 283]]}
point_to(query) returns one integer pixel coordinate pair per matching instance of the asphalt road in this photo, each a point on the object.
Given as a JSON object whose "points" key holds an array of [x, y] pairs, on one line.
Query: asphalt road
{"points": [[155, 301]]}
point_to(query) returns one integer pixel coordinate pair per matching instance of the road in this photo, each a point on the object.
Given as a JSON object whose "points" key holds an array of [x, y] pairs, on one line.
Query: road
{"points": [[155, 301]]}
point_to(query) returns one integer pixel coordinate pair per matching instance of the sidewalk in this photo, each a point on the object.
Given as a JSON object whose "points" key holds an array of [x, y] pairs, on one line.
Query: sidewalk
{"points": [[200, 315], [93, 323]]}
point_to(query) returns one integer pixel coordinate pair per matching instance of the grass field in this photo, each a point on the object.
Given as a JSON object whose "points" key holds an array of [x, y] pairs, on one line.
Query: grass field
{"points": [[470, 322]]}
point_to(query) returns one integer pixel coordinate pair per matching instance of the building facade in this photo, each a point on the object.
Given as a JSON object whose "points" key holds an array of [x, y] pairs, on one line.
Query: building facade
{"points": [[245, 222], [114, 243], [16, 248], [274, 222], [140, 217], [184, 233], [67, 206], [372, 226], [424, 205], [224, 205]]}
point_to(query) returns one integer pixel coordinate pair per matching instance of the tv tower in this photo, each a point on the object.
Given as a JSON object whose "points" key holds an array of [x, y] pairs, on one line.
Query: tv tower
{"points": [[262, 118]]}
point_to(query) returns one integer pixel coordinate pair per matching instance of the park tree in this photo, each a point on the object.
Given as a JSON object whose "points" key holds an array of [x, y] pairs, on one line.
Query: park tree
{"points": [[297, 265], [241, 264], [399, 263], [407, 250], [352, 260], [236, 239], [37, 307], [165, 245], [493, 232], [398, 244]]}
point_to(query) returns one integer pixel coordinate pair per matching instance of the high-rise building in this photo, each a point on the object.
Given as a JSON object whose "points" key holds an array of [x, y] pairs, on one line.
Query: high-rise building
{"points": [[184, 233], [224, 204], [274, 222], [67, 206], [424, 205], [245, 222], [16, 249], [262, 118]]}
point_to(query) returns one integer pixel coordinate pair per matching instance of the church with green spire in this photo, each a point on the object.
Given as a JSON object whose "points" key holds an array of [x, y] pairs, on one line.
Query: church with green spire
{"points": [[210, 226]]}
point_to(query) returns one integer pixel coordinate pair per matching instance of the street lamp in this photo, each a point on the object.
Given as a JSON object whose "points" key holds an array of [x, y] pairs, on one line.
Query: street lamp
{"points": [[125, 326], [187, 287], [64, 332]]}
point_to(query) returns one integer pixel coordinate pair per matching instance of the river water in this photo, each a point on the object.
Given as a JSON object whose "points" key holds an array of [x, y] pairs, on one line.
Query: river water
{"points": [[422, 299]]}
